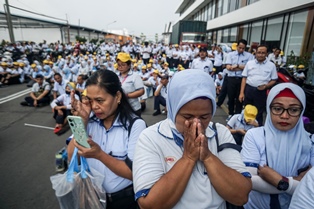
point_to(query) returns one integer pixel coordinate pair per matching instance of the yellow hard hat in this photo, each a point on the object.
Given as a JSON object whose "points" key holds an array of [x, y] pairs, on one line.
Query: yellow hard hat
{"points": [[46, 61], [33, 65], [301, 67], [21, 64], [281, 53]]}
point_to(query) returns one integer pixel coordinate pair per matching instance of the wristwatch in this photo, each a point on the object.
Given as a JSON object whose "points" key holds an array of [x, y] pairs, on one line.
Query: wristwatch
{"points": [[283, 184], [237, 65]]}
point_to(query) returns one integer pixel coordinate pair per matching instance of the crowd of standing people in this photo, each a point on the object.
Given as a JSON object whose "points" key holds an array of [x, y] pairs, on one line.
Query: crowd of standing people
{"points": [[186, 160]]}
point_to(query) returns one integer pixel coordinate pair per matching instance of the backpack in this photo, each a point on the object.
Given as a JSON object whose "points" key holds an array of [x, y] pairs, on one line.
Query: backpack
{"points": [[41, 90]]}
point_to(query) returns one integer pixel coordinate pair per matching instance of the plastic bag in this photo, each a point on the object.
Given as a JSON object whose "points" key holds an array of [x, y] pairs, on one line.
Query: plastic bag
{"points": [[79, 188]]}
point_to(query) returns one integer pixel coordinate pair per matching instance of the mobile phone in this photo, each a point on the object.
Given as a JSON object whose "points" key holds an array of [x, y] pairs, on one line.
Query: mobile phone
{"points": [[71, 88], [78, 129]]}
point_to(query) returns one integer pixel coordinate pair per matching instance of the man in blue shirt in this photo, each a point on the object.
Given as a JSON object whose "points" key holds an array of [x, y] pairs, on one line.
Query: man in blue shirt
{"points": [[258, 75], [236, 62]]}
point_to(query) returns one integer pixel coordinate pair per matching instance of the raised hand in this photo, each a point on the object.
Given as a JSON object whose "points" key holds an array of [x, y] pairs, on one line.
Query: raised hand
{"points": [[82, 109]]}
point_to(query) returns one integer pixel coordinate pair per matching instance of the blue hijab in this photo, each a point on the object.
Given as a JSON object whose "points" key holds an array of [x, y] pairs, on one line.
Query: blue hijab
{"points": [[284, 148], [186, 86]]}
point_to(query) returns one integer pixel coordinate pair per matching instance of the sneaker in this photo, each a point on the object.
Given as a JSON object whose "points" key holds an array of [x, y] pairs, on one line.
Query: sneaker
{"points": [[229, 117], [157, 112], [24, 103]]}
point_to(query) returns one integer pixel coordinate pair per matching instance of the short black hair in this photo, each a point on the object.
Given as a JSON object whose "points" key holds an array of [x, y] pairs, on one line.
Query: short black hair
{"points": [[109, 82], [243, 41], [57, 74], [39, 76]]}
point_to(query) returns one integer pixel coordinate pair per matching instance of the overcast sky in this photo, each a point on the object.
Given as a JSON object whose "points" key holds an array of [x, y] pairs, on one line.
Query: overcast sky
{"points": [[137, 16]]}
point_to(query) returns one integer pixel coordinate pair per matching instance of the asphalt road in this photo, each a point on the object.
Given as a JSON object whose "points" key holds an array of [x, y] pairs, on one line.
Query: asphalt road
{"points": [[28, 153]]}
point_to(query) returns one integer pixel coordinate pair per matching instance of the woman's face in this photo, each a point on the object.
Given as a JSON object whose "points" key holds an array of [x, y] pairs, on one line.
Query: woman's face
{"points": [[285, 122], [103, 104], [201, 109], [123, 67]]}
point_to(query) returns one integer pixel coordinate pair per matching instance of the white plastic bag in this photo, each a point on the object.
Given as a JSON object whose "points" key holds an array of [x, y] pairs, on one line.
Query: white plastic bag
{"points": [[79, 188]]}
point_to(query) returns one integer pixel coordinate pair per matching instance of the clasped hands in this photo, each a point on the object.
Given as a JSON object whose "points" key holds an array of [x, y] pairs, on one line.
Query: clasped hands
{"points": [[195, 142]]}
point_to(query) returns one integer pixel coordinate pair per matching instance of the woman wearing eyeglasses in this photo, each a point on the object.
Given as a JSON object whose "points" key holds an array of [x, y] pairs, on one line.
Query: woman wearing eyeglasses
{"points": [[279, 154]]}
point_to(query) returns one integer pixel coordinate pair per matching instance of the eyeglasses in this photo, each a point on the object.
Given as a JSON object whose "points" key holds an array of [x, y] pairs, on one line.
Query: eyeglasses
{"points": [[292, 111]]}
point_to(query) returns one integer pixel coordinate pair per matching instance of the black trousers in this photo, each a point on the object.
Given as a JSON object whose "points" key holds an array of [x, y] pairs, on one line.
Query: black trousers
{"points": [[170, 62], [60, 118], [223, 92], [123, 199], [257, 98], [159, 100], [44, 100], [234, 86]]}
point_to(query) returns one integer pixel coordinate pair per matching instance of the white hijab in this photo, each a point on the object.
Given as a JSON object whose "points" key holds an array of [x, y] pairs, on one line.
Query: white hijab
{"points": [[284, 148]]}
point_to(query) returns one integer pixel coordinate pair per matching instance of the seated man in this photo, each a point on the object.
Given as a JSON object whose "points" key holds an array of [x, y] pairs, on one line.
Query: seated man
{"points": [[40, 93], [239, 124], [161, 94]]}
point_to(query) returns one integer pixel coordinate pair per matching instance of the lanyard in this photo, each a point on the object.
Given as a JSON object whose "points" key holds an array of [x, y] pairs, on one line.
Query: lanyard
{"points": [[123, 79]]}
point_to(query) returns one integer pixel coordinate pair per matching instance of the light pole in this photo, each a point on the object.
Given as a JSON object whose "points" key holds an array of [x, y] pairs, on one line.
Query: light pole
{"points": [[110, 24]]}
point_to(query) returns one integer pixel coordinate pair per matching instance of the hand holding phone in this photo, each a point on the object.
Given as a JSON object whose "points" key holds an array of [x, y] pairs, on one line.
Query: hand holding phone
{"points": [[78, 129]]}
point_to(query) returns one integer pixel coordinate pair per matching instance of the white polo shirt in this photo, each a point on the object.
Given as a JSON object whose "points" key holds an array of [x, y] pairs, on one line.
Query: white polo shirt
{"points": [[202, 64], [114, 141], [132, 82], [237, 122], [259, 73], [60, 88], [156, 153]]}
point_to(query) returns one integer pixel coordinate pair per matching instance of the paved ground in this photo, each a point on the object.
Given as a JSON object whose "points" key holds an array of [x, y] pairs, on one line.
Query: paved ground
{"points": [[27, 153]]}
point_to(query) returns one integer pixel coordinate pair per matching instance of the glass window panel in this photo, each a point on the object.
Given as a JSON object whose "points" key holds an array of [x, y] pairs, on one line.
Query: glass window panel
{"points": [[233, 5], [210, 6], [285, 25], [225, 5], [245, 30], [233, 34], [219, 8], [225, 36], [219, 36], [274, 29], [206, 13], [295, 32], [256, 31]]}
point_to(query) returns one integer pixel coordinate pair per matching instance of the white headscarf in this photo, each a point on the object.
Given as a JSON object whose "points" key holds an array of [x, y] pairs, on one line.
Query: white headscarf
{"points": [[284, 148], [186, 86]]}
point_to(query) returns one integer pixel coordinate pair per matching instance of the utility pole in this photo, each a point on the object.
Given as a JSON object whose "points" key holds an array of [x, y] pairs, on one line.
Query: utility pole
{"points": [[9, 22]]}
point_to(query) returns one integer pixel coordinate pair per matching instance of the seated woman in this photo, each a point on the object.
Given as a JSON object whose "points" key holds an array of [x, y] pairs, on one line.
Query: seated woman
{"points": [[279, 153], [113, 130], [176, 162]]}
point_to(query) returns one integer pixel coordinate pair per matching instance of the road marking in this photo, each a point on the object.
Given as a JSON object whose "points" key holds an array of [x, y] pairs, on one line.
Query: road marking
{"points": [[14, 96], [38, 126]]}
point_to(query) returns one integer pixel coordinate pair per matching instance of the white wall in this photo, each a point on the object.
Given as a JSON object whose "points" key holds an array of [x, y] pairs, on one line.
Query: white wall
{"points": [[31, 34]]}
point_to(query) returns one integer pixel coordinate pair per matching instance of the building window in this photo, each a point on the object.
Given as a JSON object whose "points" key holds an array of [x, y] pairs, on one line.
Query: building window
{"points": [[295, 32], [210, 11], [256, 31], [244, 29], [225, 6], [219, 8], [225, 36], [219, 36], [273, 30], [233, 34], [206, 13], [233, 5]]}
